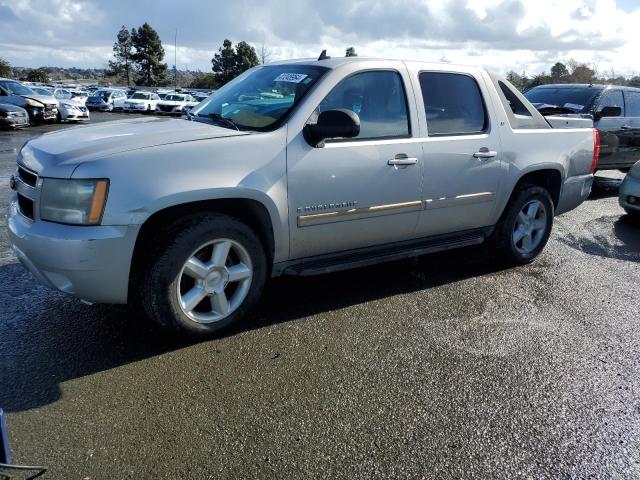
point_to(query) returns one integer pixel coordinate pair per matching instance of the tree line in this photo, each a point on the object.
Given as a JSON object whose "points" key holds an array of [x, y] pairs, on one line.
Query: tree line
{"points": [[571, 72]]}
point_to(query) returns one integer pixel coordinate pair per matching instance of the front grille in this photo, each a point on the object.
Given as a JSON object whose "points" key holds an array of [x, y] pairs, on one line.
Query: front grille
{"points": [[27, 177], [26, 206], [166, 108], [50, 106]]}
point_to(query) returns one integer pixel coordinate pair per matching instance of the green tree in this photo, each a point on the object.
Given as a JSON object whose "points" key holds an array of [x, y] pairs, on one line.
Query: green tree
{"points": [[148, 56], [38, 75], [540, 79], [246, 57], [559, 72], [351, 52], [230, 62], [5, 68], [223, 63], [122, 52], [517, 80], [634, 81], [204, 80]]}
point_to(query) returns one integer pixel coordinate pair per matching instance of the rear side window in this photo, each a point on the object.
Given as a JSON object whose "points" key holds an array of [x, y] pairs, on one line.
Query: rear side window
{"points": [[378, 98], [633, 103], [612, 98], [453, 104], [517, 107]]}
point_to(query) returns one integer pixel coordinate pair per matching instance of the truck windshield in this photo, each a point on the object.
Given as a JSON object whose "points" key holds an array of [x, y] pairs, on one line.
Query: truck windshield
{"points": [[261, 98], [578, 98]]}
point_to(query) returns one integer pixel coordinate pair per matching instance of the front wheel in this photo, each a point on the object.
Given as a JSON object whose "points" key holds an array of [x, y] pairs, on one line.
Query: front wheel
{"points": [[525, 226], [207, 275]]}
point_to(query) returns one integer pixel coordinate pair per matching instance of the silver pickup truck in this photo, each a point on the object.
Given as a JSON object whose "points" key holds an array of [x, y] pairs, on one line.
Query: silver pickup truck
{"points": [[294, 168]]}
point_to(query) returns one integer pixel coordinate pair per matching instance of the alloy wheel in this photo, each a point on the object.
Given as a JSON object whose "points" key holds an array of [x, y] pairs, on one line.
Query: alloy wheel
{"points": [[530, 227], [214, 281]]}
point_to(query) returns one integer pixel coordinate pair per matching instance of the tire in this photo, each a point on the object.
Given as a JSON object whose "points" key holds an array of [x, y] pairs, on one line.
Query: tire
{"points": [[168, 283], [634, 214], [511, 227]]}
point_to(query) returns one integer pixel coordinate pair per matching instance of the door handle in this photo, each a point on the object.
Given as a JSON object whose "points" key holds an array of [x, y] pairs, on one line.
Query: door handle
{"points": [[484, 153], [626, 127], [402, 159]]}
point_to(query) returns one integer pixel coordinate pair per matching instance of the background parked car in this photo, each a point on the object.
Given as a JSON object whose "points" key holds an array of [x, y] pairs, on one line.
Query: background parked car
{"points": [[615, 111], [70, 108], [77, 95], [12, 116], [630, 192], [141, 102], [175, 104], [40, 108], [107, 99]]}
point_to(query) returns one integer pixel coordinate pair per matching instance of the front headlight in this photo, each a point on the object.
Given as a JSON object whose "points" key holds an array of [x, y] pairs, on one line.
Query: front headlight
{"points": [[77, 202], [34, 103], [635, 171]]}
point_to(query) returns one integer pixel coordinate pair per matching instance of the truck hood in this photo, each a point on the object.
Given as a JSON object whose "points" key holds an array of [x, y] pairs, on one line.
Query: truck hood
{"points": [[57, 154]]}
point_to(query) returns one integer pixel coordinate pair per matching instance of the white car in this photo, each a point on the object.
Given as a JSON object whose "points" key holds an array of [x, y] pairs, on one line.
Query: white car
{"points": [[72, 111], [107, 99], [66, 94], [175, 104], [141, 102]]}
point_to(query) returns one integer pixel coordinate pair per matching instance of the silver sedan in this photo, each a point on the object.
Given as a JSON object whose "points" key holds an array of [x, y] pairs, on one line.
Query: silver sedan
{"points": [[630, 191]]}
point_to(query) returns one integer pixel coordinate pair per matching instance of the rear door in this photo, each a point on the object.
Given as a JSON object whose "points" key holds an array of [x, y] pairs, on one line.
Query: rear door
{"points": [[461, 152], [632, 124], [613, 137]]}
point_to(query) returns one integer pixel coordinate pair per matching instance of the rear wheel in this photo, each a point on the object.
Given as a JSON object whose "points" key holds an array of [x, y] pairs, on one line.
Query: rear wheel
{"points": [[206, 275], [526, 224], [634, 214]]}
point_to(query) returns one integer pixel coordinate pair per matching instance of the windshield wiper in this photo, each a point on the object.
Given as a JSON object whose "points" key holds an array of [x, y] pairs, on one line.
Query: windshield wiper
{"points": [[224, 121]]}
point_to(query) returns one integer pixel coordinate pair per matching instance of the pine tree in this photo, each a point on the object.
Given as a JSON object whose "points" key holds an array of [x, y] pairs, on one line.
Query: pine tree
{"points": [[148, 56], [351, 52], [122, 52], [230, 62]]}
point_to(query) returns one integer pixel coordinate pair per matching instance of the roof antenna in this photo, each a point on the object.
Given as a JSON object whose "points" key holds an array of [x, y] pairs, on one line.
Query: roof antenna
{"points": [[323, 56]]}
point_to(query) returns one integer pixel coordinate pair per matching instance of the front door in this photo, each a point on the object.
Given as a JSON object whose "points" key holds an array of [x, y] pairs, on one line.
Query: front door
{"points": [[357, 192]]}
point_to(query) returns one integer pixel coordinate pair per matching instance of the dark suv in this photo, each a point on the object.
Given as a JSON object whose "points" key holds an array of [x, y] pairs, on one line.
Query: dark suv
{"points": [[615, 111]]}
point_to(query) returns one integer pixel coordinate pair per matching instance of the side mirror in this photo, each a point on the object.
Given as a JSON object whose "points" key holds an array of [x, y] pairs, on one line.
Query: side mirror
{"points": [[608, 112], [339, 123]]}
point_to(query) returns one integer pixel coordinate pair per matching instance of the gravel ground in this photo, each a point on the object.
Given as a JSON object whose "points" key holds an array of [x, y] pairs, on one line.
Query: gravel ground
{"points": [[441, 367]]}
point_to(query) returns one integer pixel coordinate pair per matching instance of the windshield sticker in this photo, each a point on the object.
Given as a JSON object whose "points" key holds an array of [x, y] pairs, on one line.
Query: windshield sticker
{"points": [[573, 106], [290, 77]]}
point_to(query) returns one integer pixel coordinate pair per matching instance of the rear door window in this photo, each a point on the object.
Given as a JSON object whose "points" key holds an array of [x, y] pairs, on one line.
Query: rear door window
{"points": [[453, 104]]}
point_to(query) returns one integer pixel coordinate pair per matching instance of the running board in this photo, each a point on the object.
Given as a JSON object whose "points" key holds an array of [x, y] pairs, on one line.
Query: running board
{"points": [[363, 257]]}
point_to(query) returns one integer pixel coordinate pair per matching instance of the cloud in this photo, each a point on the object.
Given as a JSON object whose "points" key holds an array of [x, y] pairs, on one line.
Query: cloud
{"points": [[504, 34]]}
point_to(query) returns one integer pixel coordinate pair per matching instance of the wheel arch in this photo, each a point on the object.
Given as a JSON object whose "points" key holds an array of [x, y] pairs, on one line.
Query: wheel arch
{"points": [[547, 177], [249, 210]]}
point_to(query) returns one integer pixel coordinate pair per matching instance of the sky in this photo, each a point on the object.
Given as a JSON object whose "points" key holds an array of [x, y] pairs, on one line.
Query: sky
{"points": [[520, 35]]}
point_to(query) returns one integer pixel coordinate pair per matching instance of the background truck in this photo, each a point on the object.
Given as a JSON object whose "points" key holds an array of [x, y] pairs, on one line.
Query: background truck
{"points": [[295, 168], [615, 111]]}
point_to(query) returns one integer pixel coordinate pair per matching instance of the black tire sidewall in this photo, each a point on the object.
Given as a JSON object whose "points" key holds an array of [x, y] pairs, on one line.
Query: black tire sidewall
{"points": [[505, 229], [159, 290]]}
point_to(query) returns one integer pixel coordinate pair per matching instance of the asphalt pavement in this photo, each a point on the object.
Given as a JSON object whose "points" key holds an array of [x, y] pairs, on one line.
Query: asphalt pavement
{"points": [[446, 366]]}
